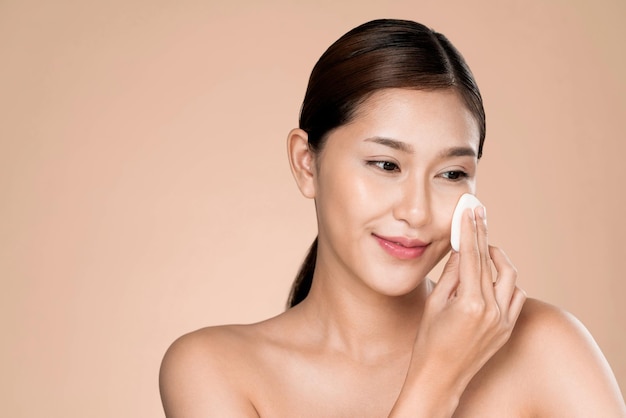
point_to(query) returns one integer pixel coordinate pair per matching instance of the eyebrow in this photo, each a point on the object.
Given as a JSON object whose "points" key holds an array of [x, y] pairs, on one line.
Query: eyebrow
{"points": [[458, 152], [392, 143], [404, 147]]}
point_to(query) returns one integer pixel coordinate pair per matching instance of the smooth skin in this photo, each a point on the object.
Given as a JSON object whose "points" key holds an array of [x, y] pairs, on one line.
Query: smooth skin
{"points": [[375, 337]]}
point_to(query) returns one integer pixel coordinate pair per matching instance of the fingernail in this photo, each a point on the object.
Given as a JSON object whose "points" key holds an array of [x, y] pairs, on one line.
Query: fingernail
{"points": [[471, 214], [482, 212]]}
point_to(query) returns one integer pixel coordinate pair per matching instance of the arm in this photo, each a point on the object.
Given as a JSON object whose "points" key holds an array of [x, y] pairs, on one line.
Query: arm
{"points": [[196, 379]]}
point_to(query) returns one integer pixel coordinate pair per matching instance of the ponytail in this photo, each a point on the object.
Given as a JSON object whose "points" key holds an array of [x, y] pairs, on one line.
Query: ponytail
{"points": [[301, 286]]}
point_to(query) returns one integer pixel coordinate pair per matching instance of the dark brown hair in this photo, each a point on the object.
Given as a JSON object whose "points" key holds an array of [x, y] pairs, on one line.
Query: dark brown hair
{"points": [[381, 54]]}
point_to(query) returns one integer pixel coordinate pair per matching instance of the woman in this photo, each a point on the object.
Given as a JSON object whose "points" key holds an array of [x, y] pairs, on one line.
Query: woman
{"points": [[391, 130]]}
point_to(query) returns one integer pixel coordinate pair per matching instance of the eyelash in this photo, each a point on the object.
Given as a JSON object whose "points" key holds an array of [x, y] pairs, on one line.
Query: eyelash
{"points": [[452, 175], [382, 164], [460, 175]]}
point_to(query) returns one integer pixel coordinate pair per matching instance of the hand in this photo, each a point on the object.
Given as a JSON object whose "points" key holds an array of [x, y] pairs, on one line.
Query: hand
{"points": [[468, 317]]}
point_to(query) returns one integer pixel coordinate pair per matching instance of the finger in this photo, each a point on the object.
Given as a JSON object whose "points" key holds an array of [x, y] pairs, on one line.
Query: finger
{"points": [[449, 280], [469, 258], [506, 279], [517, 303], [486, 279]]}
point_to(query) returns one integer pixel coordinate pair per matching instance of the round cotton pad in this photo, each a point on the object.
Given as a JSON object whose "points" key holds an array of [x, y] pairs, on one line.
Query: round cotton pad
{"points": [[466, 201]]}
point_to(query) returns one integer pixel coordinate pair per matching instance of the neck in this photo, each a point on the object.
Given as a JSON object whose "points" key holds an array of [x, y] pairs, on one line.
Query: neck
{"points": [[361, 323]]}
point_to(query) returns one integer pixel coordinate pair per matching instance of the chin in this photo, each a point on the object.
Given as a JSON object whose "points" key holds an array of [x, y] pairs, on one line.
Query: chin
{"points": [[406, 280], [397, 285]]}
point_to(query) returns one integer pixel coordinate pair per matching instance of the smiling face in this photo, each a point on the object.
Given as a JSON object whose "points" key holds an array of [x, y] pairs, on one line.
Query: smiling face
{"points": [[386, 184]]}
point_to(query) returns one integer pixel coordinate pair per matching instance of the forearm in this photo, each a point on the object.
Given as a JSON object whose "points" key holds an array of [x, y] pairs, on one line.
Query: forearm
{"points": [[429, 394]]}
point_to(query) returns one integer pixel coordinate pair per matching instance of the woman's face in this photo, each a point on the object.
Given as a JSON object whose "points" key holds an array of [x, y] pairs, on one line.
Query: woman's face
{"points": [[386, 186]]}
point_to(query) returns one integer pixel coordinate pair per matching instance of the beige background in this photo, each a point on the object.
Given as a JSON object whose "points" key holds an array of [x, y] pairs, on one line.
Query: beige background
{"points": [[145, 191]]}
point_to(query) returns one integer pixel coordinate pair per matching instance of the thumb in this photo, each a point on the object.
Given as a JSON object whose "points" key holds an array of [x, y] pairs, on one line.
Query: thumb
{"points": [[449, 279]]}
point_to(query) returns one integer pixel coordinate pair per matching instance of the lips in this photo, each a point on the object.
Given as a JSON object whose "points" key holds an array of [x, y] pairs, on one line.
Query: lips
{"points": [[401, 247]]}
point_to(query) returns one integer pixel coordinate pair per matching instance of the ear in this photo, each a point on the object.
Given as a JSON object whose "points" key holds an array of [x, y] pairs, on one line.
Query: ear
{"points": [[302, 161]]}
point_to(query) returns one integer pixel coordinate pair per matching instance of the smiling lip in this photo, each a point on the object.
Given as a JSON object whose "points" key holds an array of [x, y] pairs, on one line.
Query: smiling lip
{"points": [[401, 247]]}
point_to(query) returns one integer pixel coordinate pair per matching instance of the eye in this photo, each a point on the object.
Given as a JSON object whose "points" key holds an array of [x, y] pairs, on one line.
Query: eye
{"points": [[455, 175], [385, 165]]}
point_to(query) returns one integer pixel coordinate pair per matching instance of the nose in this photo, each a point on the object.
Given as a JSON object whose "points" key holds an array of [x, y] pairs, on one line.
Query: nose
{"points": [[413, 205]]}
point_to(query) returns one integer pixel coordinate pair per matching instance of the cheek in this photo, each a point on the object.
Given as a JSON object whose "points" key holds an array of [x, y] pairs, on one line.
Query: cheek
{"points": [[354, 192], [443, 211], [365, 192]]}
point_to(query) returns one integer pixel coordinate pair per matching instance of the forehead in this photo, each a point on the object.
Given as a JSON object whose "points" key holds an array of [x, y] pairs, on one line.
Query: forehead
{"points": [[421, 117]]}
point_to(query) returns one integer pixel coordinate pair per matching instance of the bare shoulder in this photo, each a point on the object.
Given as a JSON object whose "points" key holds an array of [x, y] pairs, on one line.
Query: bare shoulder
{"points": [[563, 367], [547, 332], [553, 325], [203, 373]]}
